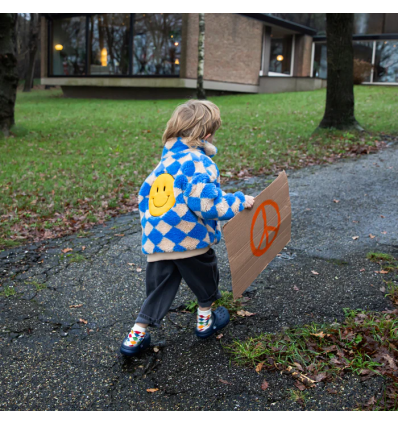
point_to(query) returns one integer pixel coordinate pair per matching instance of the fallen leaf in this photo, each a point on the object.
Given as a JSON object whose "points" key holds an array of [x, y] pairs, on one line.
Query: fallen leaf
{"points": [[259, 367], [382, 216], [295, 288], [371, 401], [384, 233], [320, 377], [382, 272], [131, 264], [371, 236], [156, 349], [299, 385], [152, 390], [362, 270], [355, 237], [67, 250], [264, 385], [244, 313], [76, 306], [331, 391], [139, 269], [298, 365], [382, 289], [83, 321], [225, 382], [119, 234], [219, 336], [391, 361], [336, 201], [314, 272], [83, 248], [320, 335]]}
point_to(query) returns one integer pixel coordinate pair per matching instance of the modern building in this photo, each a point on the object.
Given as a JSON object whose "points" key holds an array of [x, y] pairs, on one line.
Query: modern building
{"points": [[138, 55]]}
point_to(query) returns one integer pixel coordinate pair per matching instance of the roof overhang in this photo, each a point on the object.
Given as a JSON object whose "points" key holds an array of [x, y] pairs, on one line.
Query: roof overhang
{"points": [[279, 23]]}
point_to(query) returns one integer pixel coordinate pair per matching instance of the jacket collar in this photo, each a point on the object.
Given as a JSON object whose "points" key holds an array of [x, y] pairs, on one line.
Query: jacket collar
{"points": [[179, 144]]}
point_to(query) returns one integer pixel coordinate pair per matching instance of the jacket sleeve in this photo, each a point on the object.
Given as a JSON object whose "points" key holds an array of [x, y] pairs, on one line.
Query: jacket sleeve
{"points": [[207, 200]]}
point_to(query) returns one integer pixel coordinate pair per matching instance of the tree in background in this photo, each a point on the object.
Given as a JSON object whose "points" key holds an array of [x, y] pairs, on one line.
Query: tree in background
{"points": [[200, 92], [339, 111], [8, 71], [34, 33]]}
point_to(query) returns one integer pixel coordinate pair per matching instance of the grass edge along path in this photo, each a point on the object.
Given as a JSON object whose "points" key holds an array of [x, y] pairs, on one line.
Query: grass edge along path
{"points": [[366, 344]]}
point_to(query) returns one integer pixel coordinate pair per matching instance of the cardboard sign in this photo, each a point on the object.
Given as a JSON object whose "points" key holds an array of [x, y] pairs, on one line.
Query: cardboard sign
{"points": [[254, 237]]}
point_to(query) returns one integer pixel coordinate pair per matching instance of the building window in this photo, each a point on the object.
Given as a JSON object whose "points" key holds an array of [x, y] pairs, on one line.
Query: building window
{"points": [[102, 44], [386, 62], [320, 61], [109, 36], [374, 61], [281, 55], [157, 44], [69, 46]]}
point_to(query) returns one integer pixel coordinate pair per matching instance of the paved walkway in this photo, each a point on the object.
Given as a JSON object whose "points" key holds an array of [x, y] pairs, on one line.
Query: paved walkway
{"points": [[56, 356]]}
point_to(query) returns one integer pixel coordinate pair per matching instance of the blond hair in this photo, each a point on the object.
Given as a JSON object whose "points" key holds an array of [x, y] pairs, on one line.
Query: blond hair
{"points": [[193, 120]]}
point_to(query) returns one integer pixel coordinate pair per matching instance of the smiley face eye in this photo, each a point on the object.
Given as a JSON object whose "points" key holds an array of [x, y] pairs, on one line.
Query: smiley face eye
{"points": [[157, 189], [164, 189]]}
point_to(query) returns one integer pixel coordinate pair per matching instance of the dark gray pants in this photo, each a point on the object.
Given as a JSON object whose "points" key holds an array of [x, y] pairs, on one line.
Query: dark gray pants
{"points": [[163, 279]]}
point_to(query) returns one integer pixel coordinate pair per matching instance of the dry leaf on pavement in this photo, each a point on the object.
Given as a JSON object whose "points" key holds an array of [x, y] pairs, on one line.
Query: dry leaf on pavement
{"points": [[152, 390], [139, 269], [355, 237], [264, 385], [67, 250], [259, 366], [314, 272], [83, 321], [225, 382], [244, 313], [299, 385], [219, 336], [76, 306], [336, 201], [371, 236], [295, 288]]}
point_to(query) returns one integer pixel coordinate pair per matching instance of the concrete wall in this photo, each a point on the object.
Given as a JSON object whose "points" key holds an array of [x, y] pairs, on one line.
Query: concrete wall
{"points": [[289, 84], [232, 48]]}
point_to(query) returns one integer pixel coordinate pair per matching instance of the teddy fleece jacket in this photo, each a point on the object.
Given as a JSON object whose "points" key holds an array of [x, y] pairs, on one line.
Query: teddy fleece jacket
{"points": [[191, 222]]}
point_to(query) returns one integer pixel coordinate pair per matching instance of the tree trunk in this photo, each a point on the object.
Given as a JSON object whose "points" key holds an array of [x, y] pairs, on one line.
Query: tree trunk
{"points": [[8, 71], [200, 92], [34, 32], [339, 111]]}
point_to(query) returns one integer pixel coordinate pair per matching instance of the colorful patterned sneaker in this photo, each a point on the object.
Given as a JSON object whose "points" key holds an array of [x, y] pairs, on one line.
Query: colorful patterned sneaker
{"points": [[135, 342], [219, 319]]}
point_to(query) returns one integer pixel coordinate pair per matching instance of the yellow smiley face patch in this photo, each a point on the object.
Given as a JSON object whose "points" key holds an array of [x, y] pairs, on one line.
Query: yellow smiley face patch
{"points": [[161, 196]]}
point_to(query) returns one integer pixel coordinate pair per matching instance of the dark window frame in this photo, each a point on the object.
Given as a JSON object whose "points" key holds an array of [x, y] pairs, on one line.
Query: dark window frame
{"points": [[130, 74]]}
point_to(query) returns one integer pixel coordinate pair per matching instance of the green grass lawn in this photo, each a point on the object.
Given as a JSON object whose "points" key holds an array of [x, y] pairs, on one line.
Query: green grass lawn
{"points": [[74, 162]]}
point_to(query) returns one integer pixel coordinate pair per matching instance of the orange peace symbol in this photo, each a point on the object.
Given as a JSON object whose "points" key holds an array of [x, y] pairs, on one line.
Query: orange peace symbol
{"points": [[258, 251]]}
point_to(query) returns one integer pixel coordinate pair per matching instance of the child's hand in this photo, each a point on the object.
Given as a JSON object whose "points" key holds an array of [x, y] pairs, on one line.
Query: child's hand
{"points": [[249, 201]]}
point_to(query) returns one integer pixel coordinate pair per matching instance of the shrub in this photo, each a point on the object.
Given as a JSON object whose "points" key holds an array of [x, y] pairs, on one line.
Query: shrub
{"points": [[362, 70]]}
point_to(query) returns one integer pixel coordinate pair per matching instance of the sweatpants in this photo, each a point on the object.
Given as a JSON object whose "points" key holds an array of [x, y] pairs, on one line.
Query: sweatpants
{"points": [[163, 279]]}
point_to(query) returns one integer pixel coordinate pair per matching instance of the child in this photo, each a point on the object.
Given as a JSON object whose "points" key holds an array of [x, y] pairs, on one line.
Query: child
{"points": [[180, 206]]}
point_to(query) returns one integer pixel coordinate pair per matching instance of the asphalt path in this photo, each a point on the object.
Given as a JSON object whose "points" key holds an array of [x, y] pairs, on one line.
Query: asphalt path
{"points": [[60, 332]]}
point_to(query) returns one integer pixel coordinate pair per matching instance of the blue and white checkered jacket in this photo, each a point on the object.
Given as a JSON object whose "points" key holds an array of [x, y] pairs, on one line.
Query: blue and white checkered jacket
{"points": [[192, 222]]}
